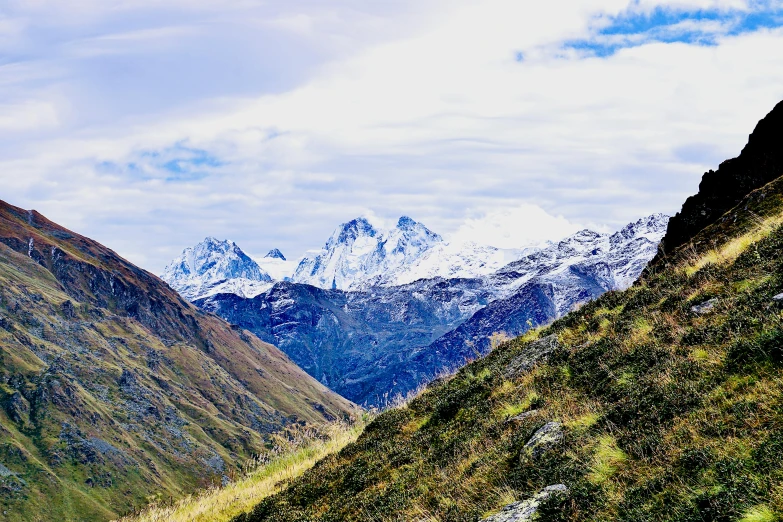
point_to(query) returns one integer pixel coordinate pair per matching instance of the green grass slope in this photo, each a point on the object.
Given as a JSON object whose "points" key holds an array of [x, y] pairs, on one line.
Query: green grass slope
{"points": [[667, 413], [112, 388]]}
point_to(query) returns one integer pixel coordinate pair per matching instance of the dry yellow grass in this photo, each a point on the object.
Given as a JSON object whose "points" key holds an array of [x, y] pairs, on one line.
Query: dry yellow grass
{"points": [[733, 248], [221, 504]]}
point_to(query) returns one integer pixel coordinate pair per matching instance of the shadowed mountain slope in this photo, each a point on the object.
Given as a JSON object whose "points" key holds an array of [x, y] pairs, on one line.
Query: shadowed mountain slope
{"points": [[113, 387]]}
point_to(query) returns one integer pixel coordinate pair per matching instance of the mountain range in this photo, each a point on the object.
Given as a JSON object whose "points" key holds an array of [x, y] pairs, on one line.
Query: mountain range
{"points": [[359, 256], [358, 317], [640, 390]]}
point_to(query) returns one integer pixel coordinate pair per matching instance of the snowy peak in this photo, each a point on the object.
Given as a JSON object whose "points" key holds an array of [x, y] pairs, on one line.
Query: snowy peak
{"points": [[275, 254], [358, 255], [199, 270], [410, 238], [652, 228], [625, 253], [348, 233]]}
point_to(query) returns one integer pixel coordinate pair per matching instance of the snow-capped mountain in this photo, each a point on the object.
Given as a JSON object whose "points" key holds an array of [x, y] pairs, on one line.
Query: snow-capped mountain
{"points": [[372, 343], [454, 260], [277, 266], [357, 255], [275, 254], [617, 259], [214, 266]]}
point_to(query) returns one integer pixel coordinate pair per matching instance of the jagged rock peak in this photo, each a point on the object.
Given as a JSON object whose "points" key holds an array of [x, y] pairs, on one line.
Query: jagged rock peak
{"points": [[216, 258], [358, 254], [351, 231], [275, 254], [414, 229], [406, 222], [199, 269]]}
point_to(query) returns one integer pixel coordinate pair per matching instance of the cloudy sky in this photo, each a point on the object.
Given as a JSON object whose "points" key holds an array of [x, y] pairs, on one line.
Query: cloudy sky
{"points": [[149, 125]]}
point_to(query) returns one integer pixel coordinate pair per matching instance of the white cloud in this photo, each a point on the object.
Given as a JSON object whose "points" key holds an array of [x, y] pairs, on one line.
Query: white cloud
{"points": [[517, 227], [315, 115]]}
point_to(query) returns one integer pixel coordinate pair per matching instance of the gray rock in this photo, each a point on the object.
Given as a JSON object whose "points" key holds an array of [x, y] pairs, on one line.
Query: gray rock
{"points": [[705, 307], [214, 463], [525, 510], [547, 437], [18, 409], [535, 352], [778, 297], [5, 472], [68, 310], [521, 416]]}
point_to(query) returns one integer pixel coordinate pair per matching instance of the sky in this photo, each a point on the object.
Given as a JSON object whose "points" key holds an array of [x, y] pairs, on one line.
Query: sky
{"points": [[149, 125]]}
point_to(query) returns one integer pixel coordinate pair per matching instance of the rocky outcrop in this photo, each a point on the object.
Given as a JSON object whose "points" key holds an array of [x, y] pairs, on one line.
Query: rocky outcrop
{"points": [[535, 353], [705, 307], [525, 510], [547, 437], [760, 162], [18, 409]]}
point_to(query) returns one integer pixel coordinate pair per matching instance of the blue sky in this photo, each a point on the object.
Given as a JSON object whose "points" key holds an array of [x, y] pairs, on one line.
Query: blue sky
{"points": [[149, 125], [667, 24]]}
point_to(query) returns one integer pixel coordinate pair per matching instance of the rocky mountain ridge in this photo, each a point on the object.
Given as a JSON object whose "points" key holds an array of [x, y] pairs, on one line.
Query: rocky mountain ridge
{"points": [[759, 162]]}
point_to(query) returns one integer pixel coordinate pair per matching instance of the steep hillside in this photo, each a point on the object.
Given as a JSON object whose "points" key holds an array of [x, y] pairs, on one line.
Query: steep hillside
{"points": [[113, 388], [373, 345], [663, 402]]}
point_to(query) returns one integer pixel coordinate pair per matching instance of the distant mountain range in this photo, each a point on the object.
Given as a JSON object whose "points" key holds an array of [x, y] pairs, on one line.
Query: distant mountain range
{"points": [[358, 256], [376, 313]]}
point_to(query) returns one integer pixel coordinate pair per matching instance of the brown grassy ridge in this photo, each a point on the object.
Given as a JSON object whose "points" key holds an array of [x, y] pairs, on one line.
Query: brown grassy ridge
{"points": [[112, 389], [668, 415]]}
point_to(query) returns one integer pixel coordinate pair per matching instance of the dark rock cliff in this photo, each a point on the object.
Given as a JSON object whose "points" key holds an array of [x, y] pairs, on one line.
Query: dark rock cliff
{"points": [[760, 162]]}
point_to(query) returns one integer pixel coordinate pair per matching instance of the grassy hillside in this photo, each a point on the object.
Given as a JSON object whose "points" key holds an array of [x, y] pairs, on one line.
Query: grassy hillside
{"points": [[669, 398], [113, 389], [295, 451]]}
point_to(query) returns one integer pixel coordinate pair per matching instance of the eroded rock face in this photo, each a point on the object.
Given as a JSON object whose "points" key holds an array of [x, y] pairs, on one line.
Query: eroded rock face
{"points": [[546, 438], [535, 353], [525, 510]]}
